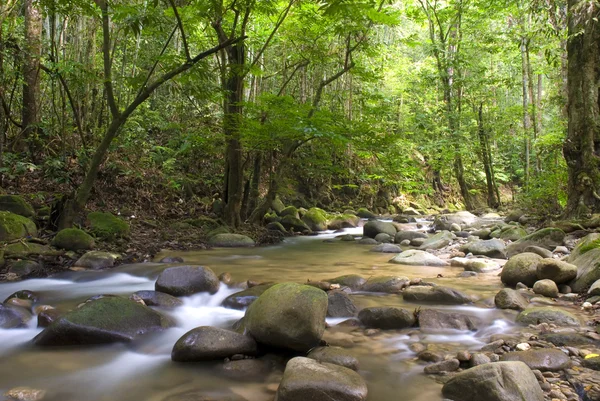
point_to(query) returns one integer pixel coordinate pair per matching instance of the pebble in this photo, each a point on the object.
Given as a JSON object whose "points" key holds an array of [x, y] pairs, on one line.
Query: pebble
{"points": [[523, 347]]}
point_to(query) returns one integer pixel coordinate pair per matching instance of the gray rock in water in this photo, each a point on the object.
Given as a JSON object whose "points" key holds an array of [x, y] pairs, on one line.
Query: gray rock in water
{"points": [[97, 260], [463, 218], [433, 320], [479, 265], [437, 241], [414, 257], [211, 343], [352, 281], [374, 227], [568, 339], [548, 238], [450, 365], [246, 369], [510, 299], [288, 315], [384, 238], [548, 315], [101, 321], [545, 359], [243, 299], [306, 379], [156, 298], [546, 288], [543, 252], [442, 295], [556, 270], [521, 268], [386, 318], [386, 284], [334, 355], [501, 381], [227, 240], [386, 248], [479, 358], [187, 280], [13, 317], [340, 305], [492, 248], [367, 241], [408, 235]]}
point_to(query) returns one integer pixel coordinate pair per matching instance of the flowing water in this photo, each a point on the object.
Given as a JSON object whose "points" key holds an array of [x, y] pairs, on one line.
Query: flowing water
{"points": [[144, 371]]}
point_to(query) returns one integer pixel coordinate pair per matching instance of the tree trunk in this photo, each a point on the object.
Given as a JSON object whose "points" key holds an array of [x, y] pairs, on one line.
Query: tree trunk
{"points": [[254, 192], [526, 117], [31, 74], [492, 201], [582, 146]]}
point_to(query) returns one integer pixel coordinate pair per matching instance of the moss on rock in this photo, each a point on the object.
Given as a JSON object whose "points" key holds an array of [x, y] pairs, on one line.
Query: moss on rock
{"points": [[14, 226], [73, 239], [107, 226], [315, 219], [16, 204]]}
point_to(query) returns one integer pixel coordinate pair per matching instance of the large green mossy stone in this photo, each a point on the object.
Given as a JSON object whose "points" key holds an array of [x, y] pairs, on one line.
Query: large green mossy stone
{"points": [[14, 226], [107, 226], [586, 256], [315, 219], [73, 239], [17, 205]]}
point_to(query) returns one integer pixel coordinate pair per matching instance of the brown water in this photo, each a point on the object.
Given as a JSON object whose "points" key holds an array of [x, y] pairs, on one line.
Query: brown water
{"points": [[144, 371]]}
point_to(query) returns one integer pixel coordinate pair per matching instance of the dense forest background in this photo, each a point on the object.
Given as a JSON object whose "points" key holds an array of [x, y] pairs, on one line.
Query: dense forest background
{"points": [[187, 106]]}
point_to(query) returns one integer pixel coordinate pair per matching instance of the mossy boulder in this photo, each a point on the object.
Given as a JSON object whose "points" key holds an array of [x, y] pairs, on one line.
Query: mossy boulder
{"points": [[73, 239], [22, 250], [17, 205], [521, 268], [512, 233], [315, 219], [290, 211], [550, 315], [271, 218], [365, 213], [586, 256], [107, 226], [105, 320], [14, 226], [289, 316], [345, 220], [374, 227], [548, 238], [231, 241], [277, 205], [293, 223], [97, 260]]}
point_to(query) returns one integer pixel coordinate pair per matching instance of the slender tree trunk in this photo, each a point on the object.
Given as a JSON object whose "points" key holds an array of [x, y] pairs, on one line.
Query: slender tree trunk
{"points": [[526, 117], [582, 146], [31, 75], [492, 201]]}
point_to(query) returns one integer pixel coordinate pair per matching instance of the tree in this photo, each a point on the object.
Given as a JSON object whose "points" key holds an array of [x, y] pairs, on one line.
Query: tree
{"points": [[582, 145]]}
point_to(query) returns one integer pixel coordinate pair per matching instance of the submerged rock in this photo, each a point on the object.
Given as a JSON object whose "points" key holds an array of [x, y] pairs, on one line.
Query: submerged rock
{"points": [[442, 295], [101, 321], [492, 248], [386, 248], [13, 317], [335, 355], [211, 343], [430, 319], [537, 315], [187, 280], [500, 381], [288, 315], [386, 318], [478, 265], [545, 359], [243, 299], [387, 284], [415, 257], [306, 379]]}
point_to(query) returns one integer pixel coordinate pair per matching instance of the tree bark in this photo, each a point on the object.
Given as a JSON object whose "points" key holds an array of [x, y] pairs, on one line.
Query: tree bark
{"points": [[484, 144], [31, 75], [582, 145]]}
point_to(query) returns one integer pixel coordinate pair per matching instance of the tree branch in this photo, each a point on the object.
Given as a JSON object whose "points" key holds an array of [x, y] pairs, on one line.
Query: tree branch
{"points": [[180, 24], [108, 84]]}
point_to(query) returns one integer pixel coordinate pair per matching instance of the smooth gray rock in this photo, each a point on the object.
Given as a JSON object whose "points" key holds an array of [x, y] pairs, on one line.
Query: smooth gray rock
{"points": [[386, 248], [414, 257], [374, 227], [386, 318], [386, 284], [334, 355], [510, 299], [537, 315], [521, 268], [160, 299], [408, 235], [545, 359], [442, 295], [492, 248], [352, 281], [556, 270], [437, 241], [449, 365], [433, 320], [97, 260], [187, 280], [547, 288], [339, 304], [207, 343]]}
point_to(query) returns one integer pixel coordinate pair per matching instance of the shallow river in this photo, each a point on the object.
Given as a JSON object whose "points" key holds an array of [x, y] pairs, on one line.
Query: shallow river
{"points": [[144, 371]]}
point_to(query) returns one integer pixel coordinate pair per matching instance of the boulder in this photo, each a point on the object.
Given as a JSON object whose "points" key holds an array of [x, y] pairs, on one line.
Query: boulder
{"points": [[385, 239], [293, 223], [160, 299], [521, 268], [101, 321], [386, 284], [277, 205], [449, 365], [97, 260], [210, 343], [414, 257], [254, 370], [14, 226], [550, 315], [408, 235], [107, 226], [544, 359], [352, 281], [464, 219], [187, 280], [558, 271], [288, 315], [290, 211], [479, 265], [386, 248], [315, 219], [433, 320], [492, 248], [13, 317], [374, 227], [500, 381], [276, 226], [243, 299], [437, 241], [595, 288], [510, 299], [73, 239], [546, 288], [227, 240], [17, 205], [343, 221], [364, 213], [339, 304], [548, 238], [512, 233], [386, 318], [335, 355], [543, 252], [307, 379], [440, 295], [25, 267], [585, 256]]}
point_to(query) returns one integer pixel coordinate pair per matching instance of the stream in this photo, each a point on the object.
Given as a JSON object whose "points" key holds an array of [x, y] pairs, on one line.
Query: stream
{"points": [[144, 371]]}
